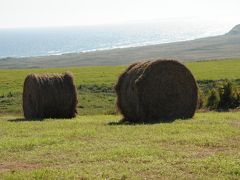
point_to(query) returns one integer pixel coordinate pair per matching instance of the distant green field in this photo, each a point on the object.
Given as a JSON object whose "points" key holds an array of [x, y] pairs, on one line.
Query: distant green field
{"points": [[95, 94], [97, 147], [12, 80]]}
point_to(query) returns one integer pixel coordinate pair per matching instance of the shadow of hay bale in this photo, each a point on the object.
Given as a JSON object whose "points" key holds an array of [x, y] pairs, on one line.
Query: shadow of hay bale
{"points": [[33, 120], [155, 91], [23, 120], [126, 122]]}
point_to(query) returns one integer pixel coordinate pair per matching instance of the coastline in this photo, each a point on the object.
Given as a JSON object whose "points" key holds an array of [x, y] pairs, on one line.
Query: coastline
{"points": [[135, 45], [217, 47]]}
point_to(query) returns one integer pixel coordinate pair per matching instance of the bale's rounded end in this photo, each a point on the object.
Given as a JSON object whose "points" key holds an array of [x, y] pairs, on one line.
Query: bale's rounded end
{"points": [[49, 96], [156, 90]]}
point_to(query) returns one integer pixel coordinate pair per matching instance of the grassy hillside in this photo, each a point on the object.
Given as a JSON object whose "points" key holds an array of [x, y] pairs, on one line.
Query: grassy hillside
{"points": [[97, 147], [95, 83]]}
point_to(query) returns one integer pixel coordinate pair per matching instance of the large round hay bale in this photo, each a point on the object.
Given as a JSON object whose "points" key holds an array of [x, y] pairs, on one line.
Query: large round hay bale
{"points": [[49, 96], [156, 90]]}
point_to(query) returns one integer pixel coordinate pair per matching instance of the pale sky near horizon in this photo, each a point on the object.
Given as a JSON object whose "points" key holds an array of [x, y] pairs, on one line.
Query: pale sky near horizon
{"points": [[44, 13]]}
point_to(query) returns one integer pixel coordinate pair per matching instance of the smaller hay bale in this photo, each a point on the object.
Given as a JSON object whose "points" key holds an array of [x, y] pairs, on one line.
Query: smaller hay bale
{"points": [[49, 96], [158, 90]]}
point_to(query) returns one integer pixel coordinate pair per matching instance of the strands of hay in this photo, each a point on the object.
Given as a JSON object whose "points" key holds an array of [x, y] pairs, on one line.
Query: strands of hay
{"points": [[158, 90], [49, 96]]}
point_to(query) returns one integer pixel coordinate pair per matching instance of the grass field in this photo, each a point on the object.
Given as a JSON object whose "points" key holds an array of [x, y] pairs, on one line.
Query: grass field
{"points": [[95, 94], [12, 80], [95, 146]]}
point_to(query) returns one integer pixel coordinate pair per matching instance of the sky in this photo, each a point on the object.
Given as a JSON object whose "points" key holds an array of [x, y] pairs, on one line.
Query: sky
{"points": [[47, 13]]}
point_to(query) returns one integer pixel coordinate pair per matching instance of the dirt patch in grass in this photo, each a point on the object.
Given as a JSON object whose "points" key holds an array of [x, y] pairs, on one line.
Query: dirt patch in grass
{"points": [[14, 166], [231, 148], [205, 152], [236, 123]]}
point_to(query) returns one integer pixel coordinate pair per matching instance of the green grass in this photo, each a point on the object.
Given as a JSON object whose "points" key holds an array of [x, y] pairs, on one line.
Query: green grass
{"points": [[12, 80], [96, 147], [215, 70], [96, 95]]}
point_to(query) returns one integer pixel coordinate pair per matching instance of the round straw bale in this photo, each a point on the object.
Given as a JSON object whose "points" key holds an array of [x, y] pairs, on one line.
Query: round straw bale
{"points": [[49, 96], [158, 90]]}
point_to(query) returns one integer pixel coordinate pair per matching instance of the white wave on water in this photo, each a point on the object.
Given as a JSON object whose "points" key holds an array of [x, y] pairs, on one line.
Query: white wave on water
{"points": [[58, 41]]}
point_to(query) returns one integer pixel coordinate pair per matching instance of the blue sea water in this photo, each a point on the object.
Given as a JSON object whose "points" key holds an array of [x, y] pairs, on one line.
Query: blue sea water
{"points": [[25, 42]]}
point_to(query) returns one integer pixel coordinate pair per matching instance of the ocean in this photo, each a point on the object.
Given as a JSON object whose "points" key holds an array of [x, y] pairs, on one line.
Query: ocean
{"points": [[26, 42]]}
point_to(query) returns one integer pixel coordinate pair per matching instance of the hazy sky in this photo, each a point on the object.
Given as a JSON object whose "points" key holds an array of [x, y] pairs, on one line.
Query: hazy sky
{"points": [[34, 13]]}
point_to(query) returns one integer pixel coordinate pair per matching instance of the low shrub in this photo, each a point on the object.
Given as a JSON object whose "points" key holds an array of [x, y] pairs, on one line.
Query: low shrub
{"points": [[226, 96], [213, 99], [237, 98], [201, 99]]}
